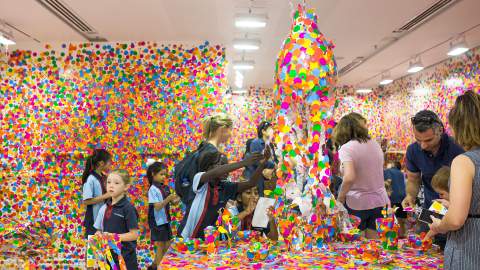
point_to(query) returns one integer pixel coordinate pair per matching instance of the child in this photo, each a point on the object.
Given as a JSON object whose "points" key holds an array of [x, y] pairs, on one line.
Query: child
{"points": [[395, 186], [120, 217], [440, 185], [212, 192], [247, 201], [94, 186], [159, 198]]}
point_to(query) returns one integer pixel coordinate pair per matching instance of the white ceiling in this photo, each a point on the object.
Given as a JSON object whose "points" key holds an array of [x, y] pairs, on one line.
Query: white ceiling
{"points": [[354, 26]]}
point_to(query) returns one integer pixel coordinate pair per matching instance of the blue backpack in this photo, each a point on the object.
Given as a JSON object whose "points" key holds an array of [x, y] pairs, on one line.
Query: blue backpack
{"points": [[184, 171]]}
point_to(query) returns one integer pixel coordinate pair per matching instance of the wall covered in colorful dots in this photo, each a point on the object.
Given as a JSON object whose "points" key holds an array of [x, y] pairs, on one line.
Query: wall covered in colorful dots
{"points": [[138, 100], [389, 110]]}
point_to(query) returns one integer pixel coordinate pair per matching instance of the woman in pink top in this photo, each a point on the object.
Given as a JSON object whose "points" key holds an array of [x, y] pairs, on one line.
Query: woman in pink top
{"points": [[363, 189]]}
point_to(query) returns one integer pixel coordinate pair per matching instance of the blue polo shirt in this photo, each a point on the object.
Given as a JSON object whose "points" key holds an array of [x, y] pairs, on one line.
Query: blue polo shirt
{"points": [[425, 163], [398, 184]]}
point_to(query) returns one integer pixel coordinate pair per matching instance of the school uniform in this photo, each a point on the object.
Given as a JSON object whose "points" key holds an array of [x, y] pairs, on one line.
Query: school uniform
{"points": [[120, 218], [92, 188], [203, 211], [159, 220]]}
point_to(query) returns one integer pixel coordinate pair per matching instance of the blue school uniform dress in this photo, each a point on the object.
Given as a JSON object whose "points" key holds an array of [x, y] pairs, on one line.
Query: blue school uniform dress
{"points": [[119, 218], [92, 188], [159, 220], [203, 211]]}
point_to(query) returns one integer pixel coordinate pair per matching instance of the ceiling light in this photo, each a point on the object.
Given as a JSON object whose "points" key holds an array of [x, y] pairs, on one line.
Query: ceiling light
{"points": [[6, 39], [246, 44], [363, 91], [243, 65], [415, 66], [386, 81], [457, 48], [250, 20]]}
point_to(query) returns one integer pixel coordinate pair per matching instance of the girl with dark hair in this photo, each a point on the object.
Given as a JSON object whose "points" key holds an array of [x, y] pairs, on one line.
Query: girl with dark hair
{"points": [[93, 182], [159, 198]]}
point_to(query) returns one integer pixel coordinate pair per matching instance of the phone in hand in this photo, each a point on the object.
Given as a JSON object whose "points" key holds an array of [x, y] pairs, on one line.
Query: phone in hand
{"points": [[425, 216]]}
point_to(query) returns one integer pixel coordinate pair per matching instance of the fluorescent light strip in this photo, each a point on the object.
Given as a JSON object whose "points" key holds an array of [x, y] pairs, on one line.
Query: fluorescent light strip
{"points": [[457, 51], [250, 21], [386, 81], [6, 41]]}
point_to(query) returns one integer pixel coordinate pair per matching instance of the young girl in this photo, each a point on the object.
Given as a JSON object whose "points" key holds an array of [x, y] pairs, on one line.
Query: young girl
{"points": [[247, 201], [212, 192], [120, 217], [94, 192], [159, 198]]}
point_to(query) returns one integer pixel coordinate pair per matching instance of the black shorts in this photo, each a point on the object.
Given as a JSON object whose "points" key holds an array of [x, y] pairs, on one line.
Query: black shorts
{"points": [[161, 233], [367, 217], [399, 213]]}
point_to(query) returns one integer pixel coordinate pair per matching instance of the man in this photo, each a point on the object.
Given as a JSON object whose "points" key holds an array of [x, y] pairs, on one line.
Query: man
{"points": [[432, 150]]}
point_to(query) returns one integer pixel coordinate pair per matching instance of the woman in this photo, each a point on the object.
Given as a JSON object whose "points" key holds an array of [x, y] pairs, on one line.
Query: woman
{"points": [[264, 140], [217, 130], [462, 221], [363, 190]]}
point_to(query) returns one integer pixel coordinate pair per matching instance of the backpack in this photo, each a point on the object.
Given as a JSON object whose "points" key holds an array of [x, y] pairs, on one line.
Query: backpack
{"points": [[184, 171]]}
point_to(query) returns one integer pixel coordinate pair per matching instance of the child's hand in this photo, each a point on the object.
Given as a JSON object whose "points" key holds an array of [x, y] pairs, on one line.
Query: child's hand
{"points": [[251, 206], [444, 202], [270, 213], [173, 198]]}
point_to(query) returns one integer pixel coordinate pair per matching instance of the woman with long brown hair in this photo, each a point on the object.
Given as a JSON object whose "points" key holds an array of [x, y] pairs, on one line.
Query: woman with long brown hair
{"points": [[363, 190], [462, 221]]}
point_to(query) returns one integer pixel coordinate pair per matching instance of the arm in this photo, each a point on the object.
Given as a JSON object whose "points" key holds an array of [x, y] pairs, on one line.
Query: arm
{"points": [[273, 233], [217, 172], [413, 186], [462, 174], [348, 180], [132, 235], [162, 204], [98, 199], [257, 175]]}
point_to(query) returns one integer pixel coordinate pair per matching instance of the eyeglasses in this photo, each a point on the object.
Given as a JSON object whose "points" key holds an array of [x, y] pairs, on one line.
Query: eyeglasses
{"points": [[428, 120]]}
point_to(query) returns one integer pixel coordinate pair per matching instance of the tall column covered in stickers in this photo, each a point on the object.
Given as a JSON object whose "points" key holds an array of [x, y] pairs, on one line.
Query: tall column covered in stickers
{"points": [[305, 75]]}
